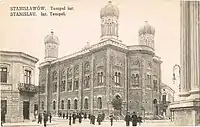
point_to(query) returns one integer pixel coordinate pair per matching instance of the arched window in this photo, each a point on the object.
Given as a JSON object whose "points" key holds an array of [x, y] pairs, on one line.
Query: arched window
{"points": [[102, 77], [63, 83], [62, 104], [42, 105], [68, 104], [3, 74], [54, 81], [75, 104], [137, 78], [99, 103], [154, 101], [87, 81], [118, 77], [115, 78], [86, 103], [54, 105]]}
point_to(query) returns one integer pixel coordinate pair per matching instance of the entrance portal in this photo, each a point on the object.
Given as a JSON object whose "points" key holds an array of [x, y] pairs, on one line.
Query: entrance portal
{"points": [[26, 109], [3, 110]]}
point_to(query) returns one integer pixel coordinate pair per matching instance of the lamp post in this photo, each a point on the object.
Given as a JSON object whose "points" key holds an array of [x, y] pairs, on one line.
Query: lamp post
{"points": [[174, 75]]}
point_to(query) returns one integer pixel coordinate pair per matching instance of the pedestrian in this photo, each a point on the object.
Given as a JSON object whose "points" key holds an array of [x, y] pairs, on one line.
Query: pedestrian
{"points": [[45, 118], [134, 119], [63, 115], [139, 120], [73, 118], [99, 119], [127, 119], [50, 117], [67, 115], [103, 116], [40, 118], [89, 116], [93, 119], [80, 118], [70, 119], [111, 119], [85, 115]]}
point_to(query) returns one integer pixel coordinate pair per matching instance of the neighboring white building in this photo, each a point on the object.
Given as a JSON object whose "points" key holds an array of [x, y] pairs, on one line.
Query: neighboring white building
{"points": [[17, 80], [167, 97]]}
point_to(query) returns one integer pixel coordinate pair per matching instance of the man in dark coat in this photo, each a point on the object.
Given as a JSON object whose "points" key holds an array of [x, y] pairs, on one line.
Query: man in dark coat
{"points": [[63, 115], [99, 119], [134, 119], [70, 119], [80, 118], [93, 119], [127, 119], [89, 116], [67, 115], [50, 117], [40, 118], [85, 115], [73, 117], [103, 116], [45, 118], [111, 119]]}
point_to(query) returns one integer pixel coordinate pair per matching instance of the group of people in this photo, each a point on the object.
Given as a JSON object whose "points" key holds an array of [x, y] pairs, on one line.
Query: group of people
{"points": [[72, 117], [134, 118], [44, 116]]}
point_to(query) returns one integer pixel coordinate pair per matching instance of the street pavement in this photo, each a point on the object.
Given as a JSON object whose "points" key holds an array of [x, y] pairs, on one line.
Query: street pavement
{"points": [[56, 122]]}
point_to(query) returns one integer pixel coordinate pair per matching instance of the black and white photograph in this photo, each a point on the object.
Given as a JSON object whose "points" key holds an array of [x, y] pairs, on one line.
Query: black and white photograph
{"points": [[100, 63]]}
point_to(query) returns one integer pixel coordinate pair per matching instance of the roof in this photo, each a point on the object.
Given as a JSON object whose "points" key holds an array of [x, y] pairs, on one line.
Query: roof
{"points": [[22, 54]]}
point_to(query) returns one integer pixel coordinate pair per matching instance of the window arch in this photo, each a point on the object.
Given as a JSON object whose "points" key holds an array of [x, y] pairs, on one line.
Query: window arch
{"points": [[62, 104], [75, 104], [68, 104], [54, 81], [54, 105], [63, 82], [86, 103], [99, 103]]}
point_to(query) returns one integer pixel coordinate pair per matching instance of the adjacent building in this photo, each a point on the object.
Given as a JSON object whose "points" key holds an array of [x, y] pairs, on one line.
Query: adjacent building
{"points": [[88, 80], [17, 71], [167, 97]]}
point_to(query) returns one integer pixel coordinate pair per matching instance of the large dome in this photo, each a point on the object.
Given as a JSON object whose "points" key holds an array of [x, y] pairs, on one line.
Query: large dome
{"points": [[109, 10], [147, 29], [51, 38]]}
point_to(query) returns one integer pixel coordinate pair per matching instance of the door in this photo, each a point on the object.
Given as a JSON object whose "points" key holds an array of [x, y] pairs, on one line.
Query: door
{"points": [[26, 109], [3, 110]]}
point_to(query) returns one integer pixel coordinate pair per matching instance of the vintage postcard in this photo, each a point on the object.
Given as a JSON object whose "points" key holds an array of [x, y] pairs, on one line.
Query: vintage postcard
{"points": [[102, 63]]}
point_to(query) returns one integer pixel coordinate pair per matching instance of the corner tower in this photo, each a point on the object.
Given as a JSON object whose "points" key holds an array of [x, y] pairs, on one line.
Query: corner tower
{"points": [[109, 21], [146, 35], [51, 47]]}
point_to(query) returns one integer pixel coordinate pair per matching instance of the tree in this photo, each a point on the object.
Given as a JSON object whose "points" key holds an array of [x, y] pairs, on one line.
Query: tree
{"points": [[117, 103]]}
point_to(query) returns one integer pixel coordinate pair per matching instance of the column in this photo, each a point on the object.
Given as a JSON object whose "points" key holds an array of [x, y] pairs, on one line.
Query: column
{"points": [[92, 85], [126, 82], [108, 83], [195, 78], [184, 52], [58, 88], [80, 88]]}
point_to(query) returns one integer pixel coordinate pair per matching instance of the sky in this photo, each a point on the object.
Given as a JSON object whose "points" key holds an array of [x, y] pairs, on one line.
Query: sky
{"points": [[81, 25]]}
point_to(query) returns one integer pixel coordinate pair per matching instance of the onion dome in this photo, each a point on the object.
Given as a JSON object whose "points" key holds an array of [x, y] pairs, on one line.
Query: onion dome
{"points": [[51, 38], [147, 29], [109, 10]]}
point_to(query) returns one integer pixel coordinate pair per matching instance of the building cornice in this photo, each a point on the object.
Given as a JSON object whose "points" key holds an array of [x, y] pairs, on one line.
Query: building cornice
{"points": [[19, 54]]}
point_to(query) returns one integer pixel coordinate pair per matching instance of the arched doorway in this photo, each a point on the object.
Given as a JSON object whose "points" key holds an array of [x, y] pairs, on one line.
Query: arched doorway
{"points": [[117, 104], [155, 106]]}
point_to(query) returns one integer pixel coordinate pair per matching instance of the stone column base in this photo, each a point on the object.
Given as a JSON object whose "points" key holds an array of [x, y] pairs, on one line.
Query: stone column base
{"points": [[186, 113]]}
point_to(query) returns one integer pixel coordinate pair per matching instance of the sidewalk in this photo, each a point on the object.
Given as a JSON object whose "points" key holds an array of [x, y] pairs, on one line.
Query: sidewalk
{"points": [[28, 124]]}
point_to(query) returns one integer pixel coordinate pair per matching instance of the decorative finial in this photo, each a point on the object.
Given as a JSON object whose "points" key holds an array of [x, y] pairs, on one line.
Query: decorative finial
{"points": [[109, 2]]}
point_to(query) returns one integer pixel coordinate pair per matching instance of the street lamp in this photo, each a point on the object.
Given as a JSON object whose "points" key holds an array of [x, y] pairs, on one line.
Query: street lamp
{"points": [[174, 75]]}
